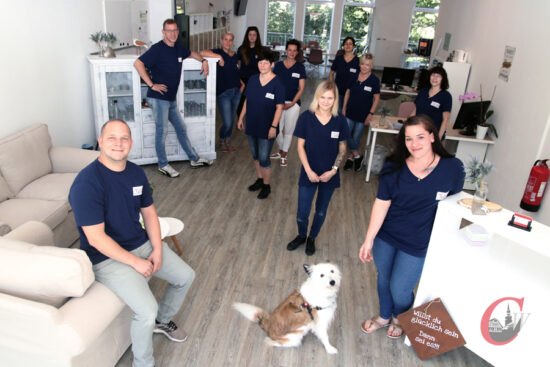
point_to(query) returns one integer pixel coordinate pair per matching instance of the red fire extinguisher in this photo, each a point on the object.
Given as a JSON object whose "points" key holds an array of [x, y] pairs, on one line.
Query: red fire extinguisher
{"points": [[536, 184]]}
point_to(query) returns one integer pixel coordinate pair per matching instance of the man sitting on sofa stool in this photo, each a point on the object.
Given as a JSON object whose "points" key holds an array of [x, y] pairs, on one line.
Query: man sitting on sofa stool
{"points": [[107, 197]]}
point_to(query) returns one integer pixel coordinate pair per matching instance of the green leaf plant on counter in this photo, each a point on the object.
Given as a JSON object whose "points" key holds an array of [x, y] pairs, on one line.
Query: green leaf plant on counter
{"points": [[476, 170], [483, 117]]}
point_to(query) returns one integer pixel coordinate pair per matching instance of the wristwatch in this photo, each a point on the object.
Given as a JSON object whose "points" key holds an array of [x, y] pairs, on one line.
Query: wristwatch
{"points": [[335, 168], [371, 113]]}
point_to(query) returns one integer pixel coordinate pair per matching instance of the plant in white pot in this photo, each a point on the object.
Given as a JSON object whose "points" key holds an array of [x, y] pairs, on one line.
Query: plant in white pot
{"points": [[483, 125]]}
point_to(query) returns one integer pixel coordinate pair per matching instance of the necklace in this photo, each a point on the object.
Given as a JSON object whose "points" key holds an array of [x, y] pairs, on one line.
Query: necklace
{"points": [[429, 168]]}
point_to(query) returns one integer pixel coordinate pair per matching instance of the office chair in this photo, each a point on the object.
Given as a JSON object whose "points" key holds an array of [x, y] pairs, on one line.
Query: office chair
{"points": [[315, 58]]}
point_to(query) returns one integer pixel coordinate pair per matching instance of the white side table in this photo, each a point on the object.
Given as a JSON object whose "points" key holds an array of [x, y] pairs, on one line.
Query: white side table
{"points": [[170, 227]]}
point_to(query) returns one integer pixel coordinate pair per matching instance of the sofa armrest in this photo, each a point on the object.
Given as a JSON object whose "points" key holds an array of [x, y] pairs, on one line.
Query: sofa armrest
{"points": [[68, 159], [33, 232], [33, 327]]}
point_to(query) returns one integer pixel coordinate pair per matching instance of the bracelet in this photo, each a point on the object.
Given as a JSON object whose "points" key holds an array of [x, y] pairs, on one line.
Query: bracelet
{"points": [[151, 86], [274, 126], [335, 168], [371, 113]]}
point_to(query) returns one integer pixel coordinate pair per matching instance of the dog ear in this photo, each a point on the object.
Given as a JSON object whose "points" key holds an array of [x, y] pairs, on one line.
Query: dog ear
{"points": [[307, 268]]}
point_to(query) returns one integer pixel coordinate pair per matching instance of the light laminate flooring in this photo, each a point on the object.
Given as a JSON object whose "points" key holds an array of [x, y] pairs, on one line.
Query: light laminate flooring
{"points": [[237, 246]]}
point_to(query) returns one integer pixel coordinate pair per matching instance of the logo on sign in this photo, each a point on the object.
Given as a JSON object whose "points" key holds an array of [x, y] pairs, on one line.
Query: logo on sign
{"points": [[502, 320]]}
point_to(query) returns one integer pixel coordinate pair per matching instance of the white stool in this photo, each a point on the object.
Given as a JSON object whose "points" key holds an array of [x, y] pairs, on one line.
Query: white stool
{"points": [[170, 227]]}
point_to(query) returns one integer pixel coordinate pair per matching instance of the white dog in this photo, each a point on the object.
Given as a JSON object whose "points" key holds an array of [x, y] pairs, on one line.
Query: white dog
{"points": [[311, 308]]}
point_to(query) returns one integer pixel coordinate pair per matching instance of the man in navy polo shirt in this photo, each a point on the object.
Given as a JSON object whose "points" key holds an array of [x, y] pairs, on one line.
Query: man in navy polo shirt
{"points": [[107, 198], [164, 60]]}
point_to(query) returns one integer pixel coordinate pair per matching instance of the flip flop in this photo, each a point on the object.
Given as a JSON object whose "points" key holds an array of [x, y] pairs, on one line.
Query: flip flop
{"points": [[373, 321], [396, 327]]}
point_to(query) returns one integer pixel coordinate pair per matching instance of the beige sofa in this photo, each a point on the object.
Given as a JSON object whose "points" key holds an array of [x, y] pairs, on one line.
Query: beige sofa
{"points": [[35, 178], [52, 312]]}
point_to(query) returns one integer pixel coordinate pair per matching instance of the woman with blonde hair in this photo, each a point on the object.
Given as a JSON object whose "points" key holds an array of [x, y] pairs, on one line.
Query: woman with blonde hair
{"points": [[322, 135], [360, 103]]}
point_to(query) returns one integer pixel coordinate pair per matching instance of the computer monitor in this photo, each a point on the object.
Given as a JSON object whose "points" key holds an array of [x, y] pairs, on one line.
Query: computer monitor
{"points": [[469, 116], [398, 76]]}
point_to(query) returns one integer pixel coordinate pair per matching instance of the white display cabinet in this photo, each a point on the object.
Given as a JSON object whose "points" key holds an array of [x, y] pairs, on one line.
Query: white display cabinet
{"points": [[118, 93]]}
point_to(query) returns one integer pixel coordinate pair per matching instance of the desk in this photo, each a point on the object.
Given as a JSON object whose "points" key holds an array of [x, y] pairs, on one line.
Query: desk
{"points": [[407, 91], [469, 278], [378, 125], [467, 146]]}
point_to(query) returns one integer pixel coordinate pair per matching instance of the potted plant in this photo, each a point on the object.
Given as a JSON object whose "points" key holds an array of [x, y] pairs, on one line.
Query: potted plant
{"points": [[483, 125], [104, 41], [476, 171]]}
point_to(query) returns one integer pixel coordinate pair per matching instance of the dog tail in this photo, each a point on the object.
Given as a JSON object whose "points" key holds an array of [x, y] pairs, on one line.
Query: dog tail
{"points": [[251, 312]]}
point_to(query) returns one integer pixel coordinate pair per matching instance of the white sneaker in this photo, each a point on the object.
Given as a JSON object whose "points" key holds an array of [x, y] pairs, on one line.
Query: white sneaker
{"points": [[169, 171], [201, 162]]}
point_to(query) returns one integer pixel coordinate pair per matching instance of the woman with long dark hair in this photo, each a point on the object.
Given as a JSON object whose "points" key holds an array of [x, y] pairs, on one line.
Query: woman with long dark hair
{"points": [[346, 67], [436, 101], [248, 61], [418, 174]]}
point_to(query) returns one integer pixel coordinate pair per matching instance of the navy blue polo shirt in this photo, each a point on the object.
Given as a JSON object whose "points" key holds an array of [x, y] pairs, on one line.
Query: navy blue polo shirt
{"points": [[227, 75], [164, 63], [290, 78], [361, 97], [99, 195], [344, 71], [435, 106], [321, 145], [247, 70], [409, 221], [261, 102]]}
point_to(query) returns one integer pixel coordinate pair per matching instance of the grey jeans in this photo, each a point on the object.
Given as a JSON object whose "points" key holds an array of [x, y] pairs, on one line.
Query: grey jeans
{"points": [[133, 289]]}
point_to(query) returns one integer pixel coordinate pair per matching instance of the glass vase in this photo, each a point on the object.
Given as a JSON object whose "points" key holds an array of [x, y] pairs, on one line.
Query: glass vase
{"points": [[480, 195]]}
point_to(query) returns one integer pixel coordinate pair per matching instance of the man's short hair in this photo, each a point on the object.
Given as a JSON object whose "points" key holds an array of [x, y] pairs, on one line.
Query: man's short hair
{"points": [[168, 21], [108, 122]]}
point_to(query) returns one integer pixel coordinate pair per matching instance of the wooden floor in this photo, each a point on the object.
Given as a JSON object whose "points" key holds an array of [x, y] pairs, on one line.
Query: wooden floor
{"points": [[237, 246]]}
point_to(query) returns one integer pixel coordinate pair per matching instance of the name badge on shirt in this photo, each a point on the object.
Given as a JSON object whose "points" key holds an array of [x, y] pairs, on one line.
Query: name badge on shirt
{"points": [[434, 104], [352, 70], [335, 134], [180, 59], [367, 88], [441, 195], [295, 75], [270, 95], [137, 190]]}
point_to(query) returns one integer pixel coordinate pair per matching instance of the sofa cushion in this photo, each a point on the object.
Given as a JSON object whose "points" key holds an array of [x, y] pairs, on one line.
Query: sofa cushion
{"points": [[15, 212], [4, 190], [53, 186], [44, 274], [24, 156]]}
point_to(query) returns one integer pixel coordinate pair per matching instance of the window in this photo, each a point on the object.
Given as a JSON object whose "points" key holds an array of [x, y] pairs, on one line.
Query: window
{"points": [[356, 23], [280, 21], [424, 19], [318, 22]]}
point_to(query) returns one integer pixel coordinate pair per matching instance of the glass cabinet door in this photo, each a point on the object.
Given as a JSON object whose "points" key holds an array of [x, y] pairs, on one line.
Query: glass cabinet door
{"points": [[194, 90], [120, 96]]}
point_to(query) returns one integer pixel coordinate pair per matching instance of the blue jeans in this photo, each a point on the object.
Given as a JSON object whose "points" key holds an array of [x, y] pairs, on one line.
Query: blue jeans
{"points": [[398, 273], [305, 198], [355, 131], [260, 149], [227, 103], [133, 289], [165, 111]]}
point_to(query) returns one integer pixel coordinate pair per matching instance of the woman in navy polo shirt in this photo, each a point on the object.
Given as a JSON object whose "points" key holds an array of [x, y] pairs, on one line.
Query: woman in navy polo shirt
{"points": [[345, 66], [228, 86], [418, 174], [322, 135], [248, 61], [435, 101], [360, 102], [265, 97], [293, 76]]}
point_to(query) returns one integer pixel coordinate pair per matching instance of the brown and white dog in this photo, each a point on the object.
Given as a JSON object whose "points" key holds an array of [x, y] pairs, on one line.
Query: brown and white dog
{"points": [[311, 308]]}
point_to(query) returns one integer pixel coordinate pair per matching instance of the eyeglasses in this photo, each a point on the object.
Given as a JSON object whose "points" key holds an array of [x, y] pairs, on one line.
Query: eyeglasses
{"points": [[171, 30]]}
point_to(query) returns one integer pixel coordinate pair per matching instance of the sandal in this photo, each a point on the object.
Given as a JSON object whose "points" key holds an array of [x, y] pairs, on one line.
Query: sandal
{"points": [[275, 156], [391, 332], [374, 323], [283, 162]]}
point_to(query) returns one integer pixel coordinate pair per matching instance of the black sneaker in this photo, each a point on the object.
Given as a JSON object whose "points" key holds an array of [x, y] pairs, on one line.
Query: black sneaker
{"points": [[264, 192], [310, 246], [295, 243], [357, 163], [349, 164], [256, 185]]}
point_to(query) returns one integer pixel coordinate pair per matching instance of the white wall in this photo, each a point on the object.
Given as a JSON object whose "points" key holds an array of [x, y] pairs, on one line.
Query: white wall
{"points": [[43, 68], [522, 111]]}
